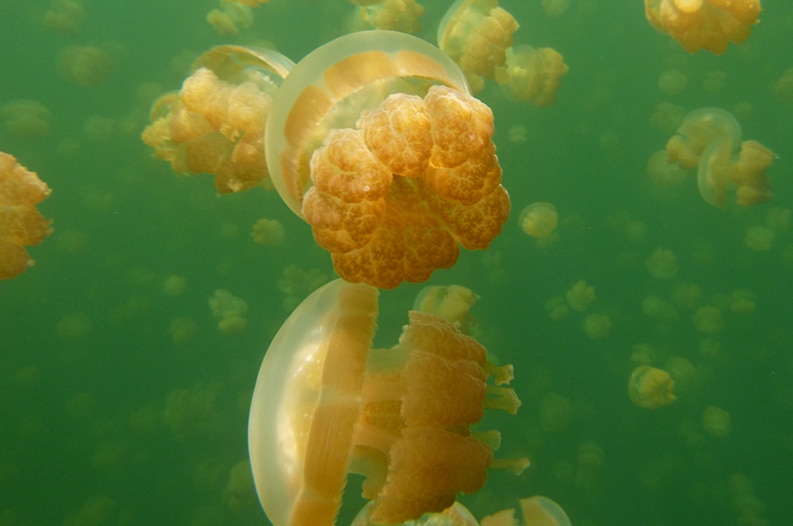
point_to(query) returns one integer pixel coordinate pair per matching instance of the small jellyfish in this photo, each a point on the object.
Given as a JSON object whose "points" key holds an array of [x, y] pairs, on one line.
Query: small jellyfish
{"points": [[229, 310], [783, 87], [230, 18], [452, 303], [580, 296], [532, 75], [182, 329], [555, 8], [716, 421], [672, 81], [65, 16], [268, 232], [709, 320], [26, 119], [174, 286], [394, 15], [537, 511], [539, 220], [87, 66], [662, 264], [663, 173], [651, 388], [596, 326]]}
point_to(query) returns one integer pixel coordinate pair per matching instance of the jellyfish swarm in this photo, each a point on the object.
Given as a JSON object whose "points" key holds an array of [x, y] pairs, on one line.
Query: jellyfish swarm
{"points": [[710, 138], [20, 223], [374, 140], [708, 24], [325, 405], [215, 124]]}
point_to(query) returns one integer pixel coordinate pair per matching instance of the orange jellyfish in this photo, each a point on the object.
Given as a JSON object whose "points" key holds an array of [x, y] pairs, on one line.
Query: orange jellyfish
{"points": [[710, 139], [215, 124], [398, 15], [539, 219], [537, 511], [20, 223], [532, 75], [374, 140], [708, 24], [87, 66], [476, 35], [325, 405]]}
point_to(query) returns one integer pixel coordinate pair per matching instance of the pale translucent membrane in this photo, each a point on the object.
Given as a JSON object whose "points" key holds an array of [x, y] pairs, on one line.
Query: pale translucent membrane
{"points": [[319, 352], [330, 88], [542, 511]]}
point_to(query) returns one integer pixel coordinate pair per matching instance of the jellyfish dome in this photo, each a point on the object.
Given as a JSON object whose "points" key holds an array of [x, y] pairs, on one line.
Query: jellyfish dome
{"points": [[375, 141]]}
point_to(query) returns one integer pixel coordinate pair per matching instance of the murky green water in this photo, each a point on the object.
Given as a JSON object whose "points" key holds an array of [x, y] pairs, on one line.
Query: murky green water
{"points": [[123, 404]]}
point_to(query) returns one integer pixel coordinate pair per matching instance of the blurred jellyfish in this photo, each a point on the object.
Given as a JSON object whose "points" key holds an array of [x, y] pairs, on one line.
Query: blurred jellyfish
{"points": [[716, 421], [662, 264], [759, 238], [672, 81], [537, 511], [557, 307], [663, 173], [395, 15], [229, 310], [667, 117], [74, 326], [268, 232], [596, 326], [26, 119], [783, 87], [708, 24], [532, 75], [642, 354], [778, 219], [240, 493], [556, 412], [687, 295], [748, 508], [714, 81], [65, 16], [555, 8], [174, 286], [98, 509], [539, 219], [452, 303], [658, 308], [476, 35], [682, 372], [230, 18], [651, 388], [518, 133], [709, 320], [580, 296], [182, 329], [85, 65], [21, 224], [742, 301]]}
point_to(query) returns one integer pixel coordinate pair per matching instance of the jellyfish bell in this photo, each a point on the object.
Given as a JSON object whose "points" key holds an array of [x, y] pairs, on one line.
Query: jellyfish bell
{"points": [[698, 130], [455, 515], [215, 124], [325, 404], [374, 140]]}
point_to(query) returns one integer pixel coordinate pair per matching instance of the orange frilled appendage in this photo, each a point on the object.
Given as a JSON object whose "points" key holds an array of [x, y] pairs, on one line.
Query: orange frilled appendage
{"points": [[212, 126], [708, 24], [20, 223], [393, 197], [419, 418]]}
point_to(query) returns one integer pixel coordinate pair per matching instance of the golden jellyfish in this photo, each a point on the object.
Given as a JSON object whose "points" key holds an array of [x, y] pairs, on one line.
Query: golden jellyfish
{"points": [[65, 16], [174, 286], [555, 8], [229, 310], [452, 303], [580, 296], [710, 139], [716, 421], [230, 18], [704, 24], [396, 15], [26, 119], [374, 140], [454, 515], [532, 74], [537, 511], [215, 124], [783, 87], [325, 404], [664, 174], [672, 81], [708, 320], [87, 66], [21, 224], [662, 264], [268, 232], [539, 219], [596, 326], [651, 388], [476, 35]]}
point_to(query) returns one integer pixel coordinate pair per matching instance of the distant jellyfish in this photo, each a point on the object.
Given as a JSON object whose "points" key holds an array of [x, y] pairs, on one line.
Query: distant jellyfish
{"points": [[662, 264], [557, 307], [672, 81], [75, 326], [555, 8], [452, 303], [26, 119], [536, 510], [394, 15], [651, 388], [759, 238], [229, 310], [268, 232], [716, 421], [182, 329], [783, 87], [65, 16], [174, 286], [709, 320], [532, 74], [85, 65], [742, 301], [556, 412], [663, 173], [596, 326], [539, 219], [580, 296], [682, 372]]}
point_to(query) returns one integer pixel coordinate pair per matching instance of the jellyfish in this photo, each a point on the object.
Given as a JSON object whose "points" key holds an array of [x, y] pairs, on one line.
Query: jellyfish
{"points": [[537, 511], [452, 303], [65, 16], [27, 119], [708, 320], [476, 35], [396, 15], [455, 515], [229, 310], [374, 140], [230, 18], [325, 404], [268, 232], [651, 388], [580, 296], [783, 87], [532, 74], [672, 81], [596, 326], [662, 264], [87, 66], [716, 421], [704, 24], [539, 219], [21, 224], [215, 124], [555, 8]]}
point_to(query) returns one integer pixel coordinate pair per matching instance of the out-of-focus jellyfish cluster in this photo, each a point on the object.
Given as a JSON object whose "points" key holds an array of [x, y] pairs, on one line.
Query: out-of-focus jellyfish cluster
{"points": [[704, 24], [229, 310], [396, 15], [231, 17], [709, 139], [21, 225], [215, 124], [478, 34]]}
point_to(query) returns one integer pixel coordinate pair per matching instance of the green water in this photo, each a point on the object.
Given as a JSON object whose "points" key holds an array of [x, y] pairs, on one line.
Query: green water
{"points": [[105, 419]]}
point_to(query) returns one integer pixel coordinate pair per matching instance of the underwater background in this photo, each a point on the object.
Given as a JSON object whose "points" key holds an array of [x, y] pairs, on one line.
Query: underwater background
{"points": [[122, 402]]}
